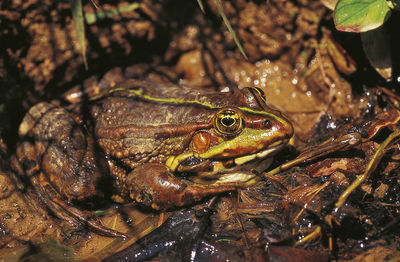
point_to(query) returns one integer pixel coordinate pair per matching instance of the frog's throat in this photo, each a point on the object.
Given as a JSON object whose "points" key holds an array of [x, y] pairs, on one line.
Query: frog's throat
{"points": [[174, 162]]}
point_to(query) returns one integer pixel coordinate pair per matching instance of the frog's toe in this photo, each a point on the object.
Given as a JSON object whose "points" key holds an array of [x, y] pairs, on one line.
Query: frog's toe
{"points": [[64, 210]]}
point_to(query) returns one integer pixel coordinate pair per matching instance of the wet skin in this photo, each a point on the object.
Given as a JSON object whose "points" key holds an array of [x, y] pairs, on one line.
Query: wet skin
{"points": [[163, 146]]}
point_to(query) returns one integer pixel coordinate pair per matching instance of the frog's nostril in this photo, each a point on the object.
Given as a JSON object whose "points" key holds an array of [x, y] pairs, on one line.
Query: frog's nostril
{"points": [[191, 161], [267, 123]]}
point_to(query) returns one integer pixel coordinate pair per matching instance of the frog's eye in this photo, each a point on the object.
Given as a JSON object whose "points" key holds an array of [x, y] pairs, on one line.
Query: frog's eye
{"points": [[228, 122]]}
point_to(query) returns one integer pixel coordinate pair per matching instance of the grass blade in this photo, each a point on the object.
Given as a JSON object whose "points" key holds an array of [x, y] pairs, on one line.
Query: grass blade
{"points": [[228, 25], [201, 5], [77, 16]]}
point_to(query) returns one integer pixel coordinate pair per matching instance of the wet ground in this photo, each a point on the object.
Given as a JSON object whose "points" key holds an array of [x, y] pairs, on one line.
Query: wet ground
{"points": [[294, 56]]}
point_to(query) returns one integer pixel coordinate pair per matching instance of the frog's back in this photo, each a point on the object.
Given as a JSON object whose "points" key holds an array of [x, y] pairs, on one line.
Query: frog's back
{"points": [[153, 104]]}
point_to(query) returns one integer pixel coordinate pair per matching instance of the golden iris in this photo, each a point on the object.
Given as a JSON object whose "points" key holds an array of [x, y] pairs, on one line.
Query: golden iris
{"points": [[228, 122]]}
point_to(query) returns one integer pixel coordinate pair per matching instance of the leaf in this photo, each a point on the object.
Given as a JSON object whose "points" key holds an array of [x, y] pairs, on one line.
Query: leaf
{"points": [[47, 251], [77, 15], [377, 49], [329, 3], [394, 4], [360, 15], [228, 25], [344, 63]]}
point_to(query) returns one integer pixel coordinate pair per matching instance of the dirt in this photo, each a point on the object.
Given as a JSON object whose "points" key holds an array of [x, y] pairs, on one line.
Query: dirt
{"points": [[292, 56]]}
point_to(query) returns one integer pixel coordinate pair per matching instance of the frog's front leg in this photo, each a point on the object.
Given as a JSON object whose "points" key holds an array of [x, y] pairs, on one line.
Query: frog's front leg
{"points": [[153, 185]]}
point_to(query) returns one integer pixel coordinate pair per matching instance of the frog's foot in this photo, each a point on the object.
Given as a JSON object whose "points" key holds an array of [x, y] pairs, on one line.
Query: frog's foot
{"points": [[88, 219], [61, 208], [153, 185]]}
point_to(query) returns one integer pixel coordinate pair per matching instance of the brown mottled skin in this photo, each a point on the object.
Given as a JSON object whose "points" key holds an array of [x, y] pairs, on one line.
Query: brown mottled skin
{"points": [[131, 138]]}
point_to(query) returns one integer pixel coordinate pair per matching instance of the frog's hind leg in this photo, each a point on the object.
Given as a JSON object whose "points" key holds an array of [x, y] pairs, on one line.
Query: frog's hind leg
{"points": [[153, 185], [62, 209], [61, 161]]}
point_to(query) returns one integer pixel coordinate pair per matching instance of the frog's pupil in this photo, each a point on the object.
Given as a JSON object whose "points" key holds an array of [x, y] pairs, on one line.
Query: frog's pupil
{"points": [[228, 121]]}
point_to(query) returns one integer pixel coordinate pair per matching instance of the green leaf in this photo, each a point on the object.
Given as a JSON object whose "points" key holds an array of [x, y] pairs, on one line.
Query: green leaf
{"points": [[360, 15], [228, 25], [77, 15], [377, 49]]}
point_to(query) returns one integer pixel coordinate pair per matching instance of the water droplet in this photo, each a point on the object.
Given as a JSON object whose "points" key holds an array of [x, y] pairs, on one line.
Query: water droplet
{"points": [[225, 89], [331, 125]]}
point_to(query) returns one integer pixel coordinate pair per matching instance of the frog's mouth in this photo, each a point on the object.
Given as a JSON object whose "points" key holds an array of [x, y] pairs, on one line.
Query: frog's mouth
{"points": [[225, 170]]}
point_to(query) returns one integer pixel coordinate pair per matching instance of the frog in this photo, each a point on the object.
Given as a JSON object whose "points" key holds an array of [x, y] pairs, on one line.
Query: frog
{"points": [[160, 146]]}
